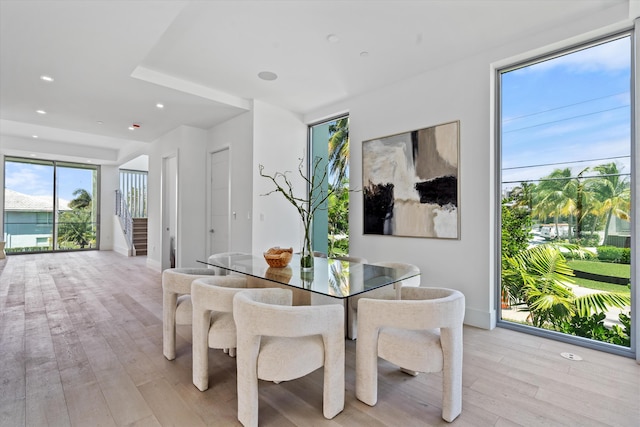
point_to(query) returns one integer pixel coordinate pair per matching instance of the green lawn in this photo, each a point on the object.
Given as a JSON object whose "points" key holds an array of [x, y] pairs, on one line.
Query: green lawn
{"points": [[603, 268]]}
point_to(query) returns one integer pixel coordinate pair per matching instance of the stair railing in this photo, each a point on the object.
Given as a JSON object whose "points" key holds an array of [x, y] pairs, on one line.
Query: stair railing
{"points": [[126, 222]]}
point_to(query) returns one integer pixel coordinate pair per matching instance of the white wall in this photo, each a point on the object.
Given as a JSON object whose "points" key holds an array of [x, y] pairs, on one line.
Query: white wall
{"points": [[237, 135], [190, 145], [279, 142], [120, 244], [109, 183], [140, 163], [461, 91]]}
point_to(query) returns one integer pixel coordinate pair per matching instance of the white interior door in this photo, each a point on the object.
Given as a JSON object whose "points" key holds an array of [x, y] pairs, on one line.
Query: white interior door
{"points": [[219, 202]]}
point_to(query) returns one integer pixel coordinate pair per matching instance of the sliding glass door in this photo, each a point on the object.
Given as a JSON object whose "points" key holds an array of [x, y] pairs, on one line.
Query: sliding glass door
{"points": [[50, 206]]}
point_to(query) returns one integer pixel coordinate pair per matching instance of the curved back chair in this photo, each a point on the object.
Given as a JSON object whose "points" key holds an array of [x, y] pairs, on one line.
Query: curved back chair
{"points": [[422, 332], [213, 324], [385, 292], [176, 303], [279, 342], [221, 271]]}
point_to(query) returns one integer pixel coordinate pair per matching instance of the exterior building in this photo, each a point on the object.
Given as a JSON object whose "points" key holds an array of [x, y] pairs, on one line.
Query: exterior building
{"points": [[28, 220]]}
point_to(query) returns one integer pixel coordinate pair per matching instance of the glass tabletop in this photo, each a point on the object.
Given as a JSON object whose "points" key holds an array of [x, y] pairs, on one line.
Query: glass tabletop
{"points": [[331, 277]]}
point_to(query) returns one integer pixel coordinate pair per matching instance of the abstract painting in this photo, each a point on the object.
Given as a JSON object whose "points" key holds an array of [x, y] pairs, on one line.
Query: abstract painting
{"points": [[410, 183]]}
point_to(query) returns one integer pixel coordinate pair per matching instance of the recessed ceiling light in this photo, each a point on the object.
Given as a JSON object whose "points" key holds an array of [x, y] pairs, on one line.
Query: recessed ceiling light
{"points": [[34, 136], [46, 78], [100, 122], [89, 161], [364, 54], [267, 75], [332, 38], [159, 106], [131, 128], [32, 155], [41, 112]]}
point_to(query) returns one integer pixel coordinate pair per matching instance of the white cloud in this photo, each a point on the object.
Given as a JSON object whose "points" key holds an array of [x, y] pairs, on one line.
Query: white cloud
{"points": [[29, 179]]}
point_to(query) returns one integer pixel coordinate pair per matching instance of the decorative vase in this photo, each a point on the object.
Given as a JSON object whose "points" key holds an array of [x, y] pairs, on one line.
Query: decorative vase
{"points": [[306, 253], [306, 276]]}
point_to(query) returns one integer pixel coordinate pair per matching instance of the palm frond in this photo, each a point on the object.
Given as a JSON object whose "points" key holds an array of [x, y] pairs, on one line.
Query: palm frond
{"points": [[600, 301]]}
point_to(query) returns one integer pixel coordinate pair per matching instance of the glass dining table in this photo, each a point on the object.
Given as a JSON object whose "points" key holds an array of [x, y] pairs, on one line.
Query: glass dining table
{"points": [[329, 277]]}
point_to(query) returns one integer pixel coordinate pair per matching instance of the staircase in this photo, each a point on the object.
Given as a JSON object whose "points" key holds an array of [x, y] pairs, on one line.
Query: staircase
{"points": [[140, 236]]}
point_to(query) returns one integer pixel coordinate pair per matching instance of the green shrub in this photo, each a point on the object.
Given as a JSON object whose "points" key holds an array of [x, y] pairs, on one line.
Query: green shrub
{"points": [[580, 255], [593, 327], [614, 254], [27, 249], [587, 239], [626, 256]]}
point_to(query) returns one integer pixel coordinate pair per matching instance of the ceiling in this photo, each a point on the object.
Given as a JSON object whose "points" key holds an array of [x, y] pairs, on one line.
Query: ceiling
{"points": [[113, 61]]}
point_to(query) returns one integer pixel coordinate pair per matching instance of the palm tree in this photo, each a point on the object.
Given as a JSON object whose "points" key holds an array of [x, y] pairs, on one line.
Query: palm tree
{"points": [[579, 199], [613, 192], [551, 199], [82, 201], [523, 195], [339, 150], [76, 227], [536, 280], [561, 194]]}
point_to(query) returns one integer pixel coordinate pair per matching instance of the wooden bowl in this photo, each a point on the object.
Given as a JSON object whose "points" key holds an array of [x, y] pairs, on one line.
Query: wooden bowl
{"points": [[282, 275], [278, 257]]}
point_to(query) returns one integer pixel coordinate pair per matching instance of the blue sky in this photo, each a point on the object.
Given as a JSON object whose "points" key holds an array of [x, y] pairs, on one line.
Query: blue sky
{"points": [[575, 107], [37, 180]]}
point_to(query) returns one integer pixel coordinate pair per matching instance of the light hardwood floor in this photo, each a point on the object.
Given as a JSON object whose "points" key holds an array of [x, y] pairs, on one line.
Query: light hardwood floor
{"points": [[81, 345]]}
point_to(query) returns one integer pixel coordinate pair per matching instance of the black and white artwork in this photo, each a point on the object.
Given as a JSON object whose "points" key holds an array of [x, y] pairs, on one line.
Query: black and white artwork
{"points": [[410, 183]]}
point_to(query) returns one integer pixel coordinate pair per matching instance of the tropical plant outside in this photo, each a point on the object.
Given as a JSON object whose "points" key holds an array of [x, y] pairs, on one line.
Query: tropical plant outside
{"points": [[338, 202], [339, 221], [537, 279], [76, 228]]}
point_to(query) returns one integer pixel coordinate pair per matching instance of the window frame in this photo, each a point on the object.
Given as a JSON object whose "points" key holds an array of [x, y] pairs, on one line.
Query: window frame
{"points": [[54, 216], [634, 38]]}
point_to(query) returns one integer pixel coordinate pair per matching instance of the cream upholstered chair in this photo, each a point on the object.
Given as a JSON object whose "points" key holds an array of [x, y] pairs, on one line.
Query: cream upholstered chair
{"points": [[385, 292], [213, 324], [422, 332], [176, 303], [221, 271], [279, 342]]}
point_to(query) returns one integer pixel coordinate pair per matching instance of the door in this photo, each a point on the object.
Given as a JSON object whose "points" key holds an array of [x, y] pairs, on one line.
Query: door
{"points": [[219, 202]]}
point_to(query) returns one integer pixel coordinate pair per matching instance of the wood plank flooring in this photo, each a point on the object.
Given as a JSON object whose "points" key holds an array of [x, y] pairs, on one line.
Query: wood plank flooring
{"points": [[81, 345]]}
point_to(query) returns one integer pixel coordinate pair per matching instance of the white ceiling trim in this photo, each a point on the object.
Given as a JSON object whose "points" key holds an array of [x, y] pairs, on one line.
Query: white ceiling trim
{"points": [[192, 88]]}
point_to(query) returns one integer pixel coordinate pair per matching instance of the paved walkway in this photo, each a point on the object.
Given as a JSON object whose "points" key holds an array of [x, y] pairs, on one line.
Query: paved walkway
{"points": [[611, 319]]}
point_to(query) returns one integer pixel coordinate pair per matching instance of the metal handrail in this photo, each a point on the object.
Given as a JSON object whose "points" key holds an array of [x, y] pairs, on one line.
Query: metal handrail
{"points": [[126, 221]]}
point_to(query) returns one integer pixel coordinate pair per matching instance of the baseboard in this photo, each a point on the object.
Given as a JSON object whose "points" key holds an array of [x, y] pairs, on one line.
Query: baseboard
{"points": [[122, 250], [479, 318]]}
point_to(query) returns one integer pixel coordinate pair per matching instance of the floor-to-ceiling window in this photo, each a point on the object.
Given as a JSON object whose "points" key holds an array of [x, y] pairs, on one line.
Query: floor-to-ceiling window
{"points": [[329, 141], [50, 206], [565, 134]]}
